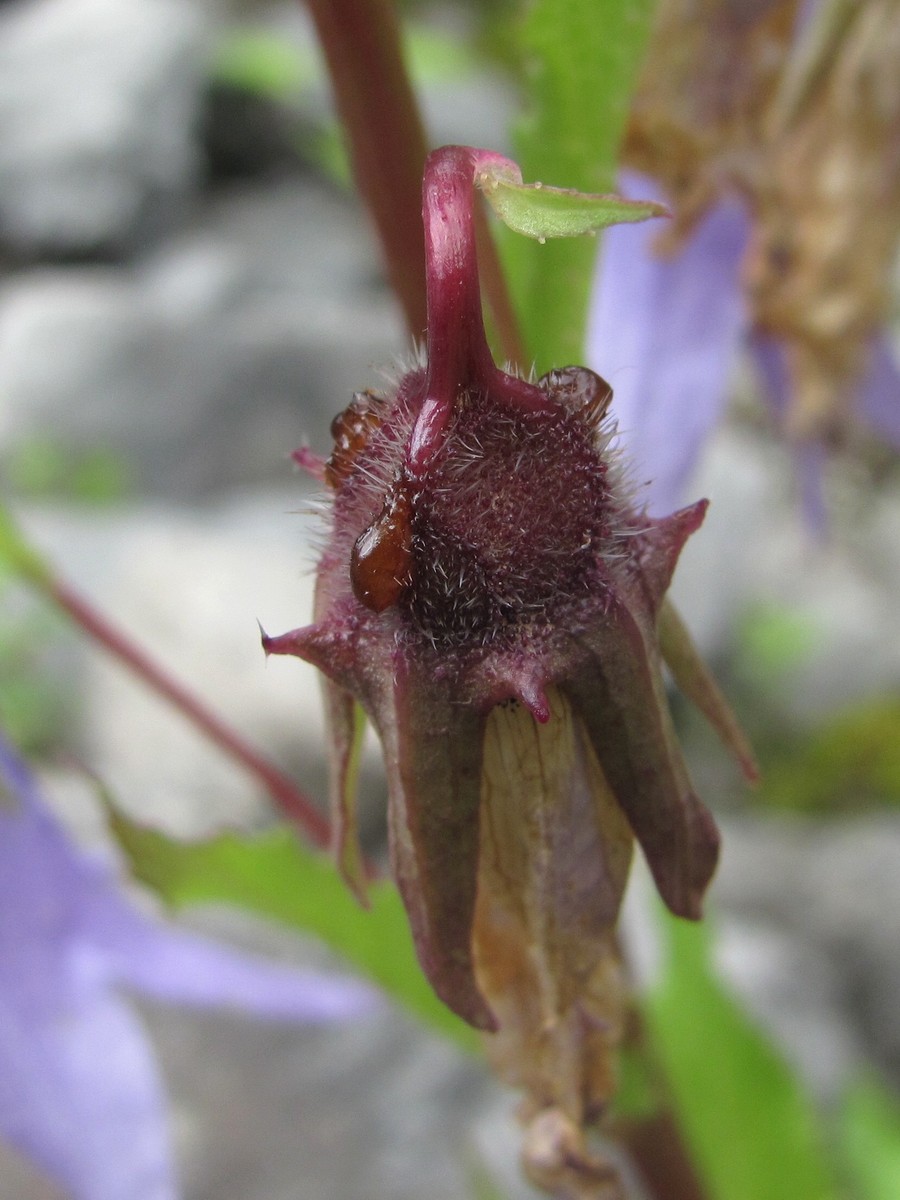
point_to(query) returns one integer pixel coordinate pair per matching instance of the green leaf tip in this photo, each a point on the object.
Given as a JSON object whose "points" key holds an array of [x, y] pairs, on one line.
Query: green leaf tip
{"points": [[541, 212]]}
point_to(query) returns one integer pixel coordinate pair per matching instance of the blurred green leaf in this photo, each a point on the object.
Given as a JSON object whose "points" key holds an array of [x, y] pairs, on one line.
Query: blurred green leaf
{"points": [[37, 468], [264, 63], [753, 1133], [273, 875], [326, 149], [101, 477], [436, 55], [35, 702], [850, 761], [581, 58], [482, 1184], [772, 641], [271, 65], [43, 467], [870, 1141], [16, 556], [281, 70], [638, 1094]]}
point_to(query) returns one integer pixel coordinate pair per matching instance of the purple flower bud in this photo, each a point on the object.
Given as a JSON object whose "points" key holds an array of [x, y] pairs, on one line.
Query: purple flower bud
{"points": [[489, 584]]}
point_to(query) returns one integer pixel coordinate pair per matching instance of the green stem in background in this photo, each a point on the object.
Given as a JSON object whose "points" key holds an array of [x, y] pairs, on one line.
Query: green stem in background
{"points": [[386, 137], [582, 57], [33, 570]]}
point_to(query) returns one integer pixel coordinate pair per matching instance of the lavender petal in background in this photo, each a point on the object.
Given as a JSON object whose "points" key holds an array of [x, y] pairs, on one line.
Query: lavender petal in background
{"points": [[80, 1093], [664, 332]]}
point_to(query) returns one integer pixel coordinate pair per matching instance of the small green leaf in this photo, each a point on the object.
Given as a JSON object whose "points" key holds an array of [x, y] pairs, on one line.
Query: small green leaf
{"points": [[753, 1133], [273, 875], [542, 212], [870, 1141]]}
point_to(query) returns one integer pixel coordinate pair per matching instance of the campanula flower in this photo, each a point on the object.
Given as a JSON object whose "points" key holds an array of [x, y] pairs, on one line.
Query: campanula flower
{"points": [[80, 1092]]}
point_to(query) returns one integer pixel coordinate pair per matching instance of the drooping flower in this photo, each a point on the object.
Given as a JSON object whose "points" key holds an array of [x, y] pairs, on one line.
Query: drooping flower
{"points": [[80, 1092], [494, 601], [773, 132]]}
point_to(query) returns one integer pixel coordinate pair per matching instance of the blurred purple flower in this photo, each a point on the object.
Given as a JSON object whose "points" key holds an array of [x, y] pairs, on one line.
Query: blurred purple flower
{"points": [[80, 1092], [665, 330]]}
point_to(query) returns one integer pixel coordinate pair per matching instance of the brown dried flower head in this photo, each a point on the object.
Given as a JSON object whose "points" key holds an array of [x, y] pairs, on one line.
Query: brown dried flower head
{"points": [[492, 599]]}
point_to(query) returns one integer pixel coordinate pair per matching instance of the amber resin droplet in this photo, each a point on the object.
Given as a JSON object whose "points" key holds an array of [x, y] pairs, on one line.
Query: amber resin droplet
{"points": [[381, 561], [582, 390], [351, 430]]}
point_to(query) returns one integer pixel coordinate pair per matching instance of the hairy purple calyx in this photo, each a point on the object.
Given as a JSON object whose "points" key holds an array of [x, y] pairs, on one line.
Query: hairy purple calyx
{"points": [[484, 553], [503, 525]]}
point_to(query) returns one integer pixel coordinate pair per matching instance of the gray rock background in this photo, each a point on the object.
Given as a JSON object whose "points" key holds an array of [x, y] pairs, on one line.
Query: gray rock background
{"points": [[199, 329]]}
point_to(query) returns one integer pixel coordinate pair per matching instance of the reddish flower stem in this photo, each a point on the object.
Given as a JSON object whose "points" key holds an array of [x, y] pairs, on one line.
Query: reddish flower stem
{"points": [[657, 1148], [388, 146], [457, 348], [378, 110], [655, 1141], [292, 802], [458, 354]]}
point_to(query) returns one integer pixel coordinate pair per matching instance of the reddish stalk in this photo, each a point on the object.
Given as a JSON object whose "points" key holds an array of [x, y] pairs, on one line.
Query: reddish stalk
{"points": [[655, 1141], [289, 799], [388, 145], [657, 1149], [380, 117], [458, 354]]}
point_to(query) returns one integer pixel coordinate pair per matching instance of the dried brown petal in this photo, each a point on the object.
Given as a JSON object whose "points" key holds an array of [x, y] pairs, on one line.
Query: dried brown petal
{"points": [[555, 856]]}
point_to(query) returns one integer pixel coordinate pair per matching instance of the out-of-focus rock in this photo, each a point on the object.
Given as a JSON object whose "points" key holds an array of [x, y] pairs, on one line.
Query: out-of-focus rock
{"points": [[756, 552], [786, 980], [98, 107], [795, 990], [366, 1112], [832, 889], [190, 588], [203, 366]]}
